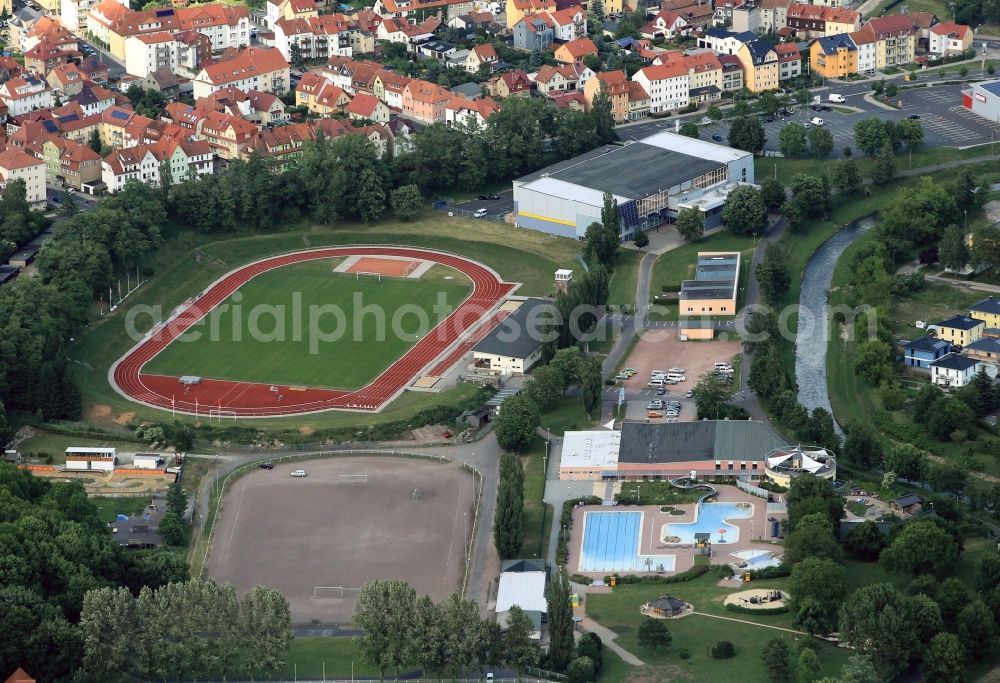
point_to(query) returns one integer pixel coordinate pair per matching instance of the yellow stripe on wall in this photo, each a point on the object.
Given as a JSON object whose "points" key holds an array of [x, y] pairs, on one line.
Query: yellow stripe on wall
{"points": [[545, 218]]}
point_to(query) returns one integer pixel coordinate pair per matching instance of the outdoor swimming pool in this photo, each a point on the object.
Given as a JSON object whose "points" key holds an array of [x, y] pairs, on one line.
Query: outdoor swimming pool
{"points": [[611, 544], [757, 559], [710, 518]]}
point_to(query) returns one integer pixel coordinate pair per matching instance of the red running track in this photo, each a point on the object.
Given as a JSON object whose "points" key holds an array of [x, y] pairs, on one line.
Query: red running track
{"points": [[252, 399]]}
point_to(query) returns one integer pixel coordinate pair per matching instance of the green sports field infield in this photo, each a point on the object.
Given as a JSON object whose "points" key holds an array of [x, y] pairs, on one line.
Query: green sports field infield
{"points": [[253, 340]]}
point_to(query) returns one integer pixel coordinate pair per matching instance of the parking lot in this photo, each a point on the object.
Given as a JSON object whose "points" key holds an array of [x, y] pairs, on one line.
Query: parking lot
{"points": [[494, 207], [945, 121]]}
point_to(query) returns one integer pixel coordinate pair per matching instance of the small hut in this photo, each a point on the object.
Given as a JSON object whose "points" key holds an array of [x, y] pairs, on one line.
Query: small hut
{"points": [[667, 606]]}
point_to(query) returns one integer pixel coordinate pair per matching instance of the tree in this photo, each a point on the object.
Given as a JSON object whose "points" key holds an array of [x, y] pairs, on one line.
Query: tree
{"points": [[295, 55], [950, 416], [846, 177], [747, 133], [953, 251], [907, 461], [859, 669], [865, 540], [386, 612], [173, 529], [862, 447], [812, 538], [823, 581], [611, 217], [772, 274], [876, 621], [808, 668], [811, 194], [988, 572], [926, 617], [429, 637], [177, 499], [544, 387], [792, 140], [407, 202], [641, 239], [871, 136], [884, 171], [581, 670], [911, 133], [600, 245], [107, 624], [560, 614], [944, 660], [967, 190], [714, 113], [723, 649], [977, 630], [589, 645], [94, 141], [744, 212], [873, 362], [508, 522], [653, 633], [777, 658], [820, 142], [691, 224], [520, 651], [921, 547], [690, 129], [591, 385], [603, 117], [711, 397], [515, 423], [772, 193]]}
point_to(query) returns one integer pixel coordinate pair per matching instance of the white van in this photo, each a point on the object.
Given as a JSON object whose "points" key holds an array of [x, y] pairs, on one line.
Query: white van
{"points": [[816, 121], [655, 383], [676, 377], [726, 367], [833, 97]]}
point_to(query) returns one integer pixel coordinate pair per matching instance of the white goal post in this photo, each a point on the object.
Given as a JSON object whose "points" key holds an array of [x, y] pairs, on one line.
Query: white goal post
{"points": [[216, 413], [352, 479], [359, 273], [334, 592]]}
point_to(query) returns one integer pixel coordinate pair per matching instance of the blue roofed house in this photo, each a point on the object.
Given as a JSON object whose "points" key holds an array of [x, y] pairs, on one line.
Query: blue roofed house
{"points": [[954, 371], [723, 42], [920, 353], [534, 32]]}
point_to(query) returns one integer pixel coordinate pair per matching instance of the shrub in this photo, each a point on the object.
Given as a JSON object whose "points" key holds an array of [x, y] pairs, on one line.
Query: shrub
{"points": [[581, 579], [723, 649], [684, 653], [746, 610], [692, 573], [777, 572]]}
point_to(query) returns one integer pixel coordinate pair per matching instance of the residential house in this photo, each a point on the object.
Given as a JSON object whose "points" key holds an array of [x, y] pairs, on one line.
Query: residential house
{"points": [[961, 330], [667, 86], [320, 95], [723, 42], [17, 165], [66, 79], [614, 84], [534, 32], [571, 99], [697, 13], [263, 69], [19, 22], [461, 111], [954, 371], [163, 81], [256, 107], [664, 24], [745, 17], [400, 31], [316, 37], [987, 310], [920, 353], [789, 61], [986, 349], [814, 21], [482, 57], [93, 99], [910, 504], [841, 20], [569, 23], [69, 163], [227, 135], [639, 102], [367, 107], [922, 22], [404, 9], [575, 51], [774, 15], [121, 127], [276, 10], [513, 83], [425, 102], [760, 65], [732, 73], [833, 56], [562, 78], [948, 39], [179, 52], [225, 25], [518, 9], [389, 86], [724, 11], [44, 57], [866, 45], [22, 95], [9, 68], [897, 39], [472, 22], [705, 73]]}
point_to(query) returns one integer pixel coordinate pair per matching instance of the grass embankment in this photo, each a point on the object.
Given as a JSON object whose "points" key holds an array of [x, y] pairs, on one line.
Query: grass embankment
{"points": [[517, 255], [621, 292], [537, 515]]}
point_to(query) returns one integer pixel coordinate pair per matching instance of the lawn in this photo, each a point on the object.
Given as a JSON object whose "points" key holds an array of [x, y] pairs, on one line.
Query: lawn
{"points": [[623, 279], [108, 509], [183, 268], [283, 348], [659, 493], [566, 415], [333, 658], [932, 304], [43, 443], [537, 515], [764, 167], [619, 611]]}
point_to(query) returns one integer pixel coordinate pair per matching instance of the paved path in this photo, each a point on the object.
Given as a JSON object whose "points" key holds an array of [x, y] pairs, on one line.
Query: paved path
{"points": [[607, 637], [753, 623]]}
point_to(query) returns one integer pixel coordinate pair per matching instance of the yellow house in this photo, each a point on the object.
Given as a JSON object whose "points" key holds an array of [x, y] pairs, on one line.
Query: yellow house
{"points": [[760, 65], [840, 20], [518, 9], [987, 310], [833, 56], [961, 330]]}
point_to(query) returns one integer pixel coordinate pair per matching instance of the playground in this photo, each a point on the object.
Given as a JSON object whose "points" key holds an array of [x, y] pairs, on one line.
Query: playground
{"points": [[290, 334], [319, 538]]}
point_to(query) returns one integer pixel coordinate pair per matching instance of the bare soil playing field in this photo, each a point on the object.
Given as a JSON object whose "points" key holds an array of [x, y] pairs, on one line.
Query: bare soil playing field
{"points": [[294, 534], [660, 350], [383, 266]]}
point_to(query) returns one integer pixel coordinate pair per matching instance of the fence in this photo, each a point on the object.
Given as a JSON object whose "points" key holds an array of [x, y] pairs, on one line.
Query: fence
{"points": [[751, 489], [452, 210], [477, 478], [219, 490]]}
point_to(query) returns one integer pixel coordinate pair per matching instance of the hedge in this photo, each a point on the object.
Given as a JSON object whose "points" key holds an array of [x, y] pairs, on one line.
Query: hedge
{"points": [[692, 573], [777, 572], [766, 610], [581, 579]]}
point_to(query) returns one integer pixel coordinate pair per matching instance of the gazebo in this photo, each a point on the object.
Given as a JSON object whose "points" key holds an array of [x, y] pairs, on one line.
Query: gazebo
{"points": [[667, 606]]}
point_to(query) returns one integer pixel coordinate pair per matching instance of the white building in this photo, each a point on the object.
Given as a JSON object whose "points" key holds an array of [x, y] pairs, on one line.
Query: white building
{"points": [[524, 589], [16, 165], [22, 95], [589, 455], [954, 371], [102, 459], [73, 13], [668, 86], [150, 52], [316, 37], [515, 345], [570, 23]]}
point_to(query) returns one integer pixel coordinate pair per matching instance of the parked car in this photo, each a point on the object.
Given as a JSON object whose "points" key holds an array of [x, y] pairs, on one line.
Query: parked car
{"points": [[690, 393], [654, 413], [717, 137], [266, 466], [914, 117], [768, 119], [480, 213], [825, 107], [661, 391], [299, 473]]}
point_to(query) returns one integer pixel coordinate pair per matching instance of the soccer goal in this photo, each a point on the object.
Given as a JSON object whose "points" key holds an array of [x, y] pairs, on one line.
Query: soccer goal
{"points": [[334, 592], [219, 414], [416, 495], [359, 273], [352, 479]]}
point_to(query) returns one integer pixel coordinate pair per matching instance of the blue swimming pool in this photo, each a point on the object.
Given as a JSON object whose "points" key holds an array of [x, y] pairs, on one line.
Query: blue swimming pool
{"points": [[710, 518], [611, 544], [758, 559]]}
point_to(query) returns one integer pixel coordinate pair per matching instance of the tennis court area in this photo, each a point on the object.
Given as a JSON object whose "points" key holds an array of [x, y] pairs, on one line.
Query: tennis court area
{"points": [[611, 544]]}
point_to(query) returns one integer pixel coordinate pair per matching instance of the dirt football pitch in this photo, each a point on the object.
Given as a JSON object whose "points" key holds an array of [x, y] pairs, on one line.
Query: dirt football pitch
{"points": [[296, 534]]}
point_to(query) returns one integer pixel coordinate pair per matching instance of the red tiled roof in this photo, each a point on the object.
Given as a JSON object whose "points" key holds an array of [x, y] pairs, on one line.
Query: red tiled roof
{"points": [[580, 47], [946, 28], [249, 62]]}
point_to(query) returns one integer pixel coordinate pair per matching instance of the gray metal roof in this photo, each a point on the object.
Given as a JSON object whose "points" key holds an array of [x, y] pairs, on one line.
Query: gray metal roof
{"points": [[985, 345], [988, 305], [633, 171], [953, 361], [691, 441], [519, 335], [961, 322]]}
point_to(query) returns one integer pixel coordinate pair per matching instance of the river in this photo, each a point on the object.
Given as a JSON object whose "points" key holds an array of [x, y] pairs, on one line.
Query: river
{"points": [[811, 340]]}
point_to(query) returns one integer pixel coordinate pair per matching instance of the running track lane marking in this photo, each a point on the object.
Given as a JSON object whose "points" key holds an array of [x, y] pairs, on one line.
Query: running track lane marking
{"points": [[159, 391]]}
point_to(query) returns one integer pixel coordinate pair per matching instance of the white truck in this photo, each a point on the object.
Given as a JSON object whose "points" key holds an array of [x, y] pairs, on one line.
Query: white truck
{"points": [[833, 97]]}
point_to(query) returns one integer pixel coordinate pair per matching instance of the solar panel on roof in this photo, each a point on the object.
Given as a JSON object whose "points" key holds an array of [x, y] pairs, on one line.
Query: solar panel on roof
{"points": [[50, 126], [164, 12], [120, 115], [70, 118]]}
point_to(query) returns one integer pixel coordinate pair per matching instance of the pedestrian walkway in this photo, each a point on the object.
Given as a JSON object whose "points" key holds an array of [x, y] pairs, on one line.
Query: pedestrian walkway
{"points": [[607, 637], [752, 623]]}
